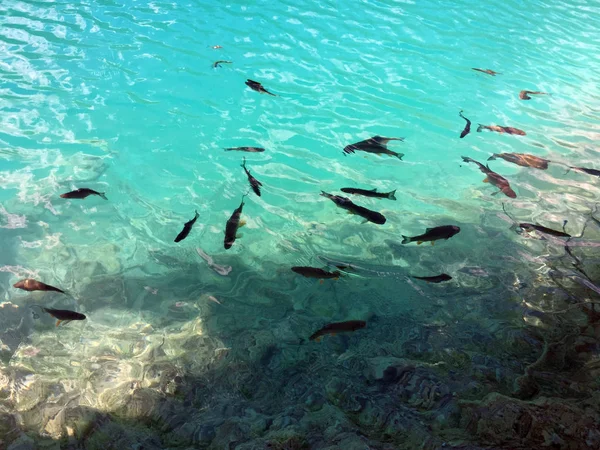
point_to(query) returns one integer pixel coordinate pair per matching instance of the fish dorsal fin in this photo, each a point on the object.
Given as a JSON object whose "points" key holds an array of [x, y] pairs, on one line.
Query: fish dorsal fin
{"points": [[373, 190]]}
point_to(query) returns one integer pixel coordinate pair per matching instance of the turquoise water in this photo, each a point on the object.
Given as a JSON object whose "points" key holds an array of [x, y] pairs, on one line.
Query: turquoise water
{"points": [[181, 350]]}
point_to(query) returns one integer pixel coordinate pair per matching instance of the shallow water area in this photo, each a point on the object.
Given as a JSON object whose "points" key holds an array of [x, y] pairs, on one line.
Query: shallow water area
{"points": [[188, 345]]}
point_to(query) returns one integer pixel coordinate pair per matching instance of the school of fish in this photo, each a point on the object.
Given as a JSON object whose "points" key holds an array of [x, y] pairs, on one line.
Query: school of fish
{"points": [[375, 145]]}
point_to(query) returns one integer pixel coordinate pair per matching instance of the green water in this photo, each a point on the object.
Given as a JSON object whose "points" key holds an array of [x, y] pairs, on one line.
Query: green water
{"points": [[189, 345]]}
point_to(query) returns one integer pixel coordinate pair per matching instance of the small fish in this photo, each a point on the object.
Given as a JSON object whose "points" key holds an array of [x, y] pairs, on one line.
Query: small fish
{"points": [[254, 183], [30, 284], [218, 63], [523, 95], [594, 172], [256, 86], [467, 129], [435, 279], [338, 327], [314, 272], [493, 178], [488, 71], [530, 227], [522, 159], [62, 315], [232, 226], [216, 46], [499, 129], [345, 203], [245, 149], [433, 234], [82, 193], [187, 227], [376, 145], [370, 193]]}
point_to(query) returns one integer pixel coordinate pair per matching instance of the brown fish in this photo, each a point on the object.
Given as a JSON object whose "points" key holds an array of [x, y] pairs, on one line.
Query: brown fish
{"points": [[348, 205], [435, 279], [245, 149], [522, 159], [63, 315], [218, 63], [376, 145], [533, 226], [82, 193], [499, 129], [254, 183], [594, 172], [315, 272], [338, 327], [30, 284], [232, 225], [256, 86], [433, 234], [523, 95], [488, 71], [467, 128], [493, 178]]}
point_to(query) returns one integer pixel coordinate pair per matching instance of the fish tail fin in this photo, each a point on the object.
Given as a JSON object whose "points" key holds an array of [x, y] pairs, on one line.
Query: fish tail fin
{"points": [[491, 158], [406, 240], [244, 163], [466, 159], [480, 127], [101, 194], [568, 170], [392, 195], [400, 156]]}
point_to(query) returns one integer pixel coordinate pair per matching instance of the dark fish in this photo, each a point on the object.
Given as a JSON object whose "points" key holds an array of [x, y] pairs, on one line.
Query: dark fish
{"points": [[256, 86], [63, 315], [594, 172], [187, 227], [376, 145], [435, 279], [253, 181], [488, 71], [82, 193], [493, 178], [30, 284], [499, 129], [467, 129], [314, 272], [232, 226], [522, 159], [370, 193], [523, 95], [541, 229], [218, 63], [433, 234], [245, 149], [345, 203], [338, 327]]}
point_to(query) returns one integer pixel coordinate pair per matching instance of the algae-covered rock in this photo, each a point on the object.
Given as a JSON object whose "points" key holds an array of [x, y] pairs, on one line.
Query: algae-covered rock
{"points": [[545, 423]]}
